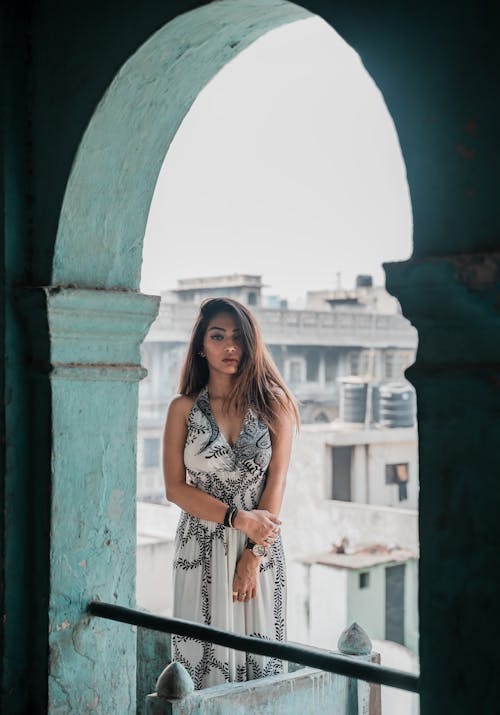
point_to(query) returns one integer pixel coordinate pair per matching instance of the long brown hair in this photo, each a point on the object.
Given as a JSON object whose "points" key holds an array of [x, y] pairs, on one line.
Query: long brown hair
{"points": [[259, 384]]}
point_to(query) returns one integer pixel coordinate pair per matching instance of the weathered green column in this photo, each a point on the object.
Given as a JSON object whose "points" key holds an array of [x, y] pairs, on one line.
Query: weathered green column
{"points": [[453, 302], [94, 370]]}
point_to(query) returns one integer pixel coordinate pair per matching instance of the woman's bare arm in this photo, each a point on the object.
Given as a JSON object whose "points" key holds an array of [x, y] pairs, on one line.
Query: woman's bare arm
{"points": [[281, 440], [192, 500], [257, 524]]}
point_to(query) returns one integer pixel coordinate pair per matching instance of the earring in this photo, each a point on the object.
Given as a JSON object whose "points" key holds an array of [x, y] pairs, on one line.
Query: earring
{"points": [[201, 354]]}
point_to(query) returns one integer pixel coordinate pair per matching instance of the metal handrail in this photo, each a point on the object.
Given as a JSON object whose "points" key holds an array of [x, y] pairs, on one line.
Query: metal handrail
{"points": [[303, 655]]}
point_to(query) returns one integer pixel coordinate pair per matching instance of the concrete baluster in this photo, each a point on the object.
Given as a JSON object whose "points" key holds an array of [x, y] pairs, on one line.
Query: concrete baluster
{"points": [[173, 684], [363, 698]]}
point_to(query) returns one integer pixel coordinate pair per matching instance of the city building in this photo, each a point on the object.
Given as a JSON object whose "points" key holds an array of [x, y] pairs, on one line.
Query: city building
{"points": [[242, 287], [372, 584], [373, 466]]}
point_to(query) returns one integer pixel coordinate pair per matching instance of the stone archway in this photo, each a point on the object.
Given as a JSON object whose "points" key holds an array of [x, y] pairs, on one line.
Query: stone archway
{"points": [[97, 320], [95, 359]]}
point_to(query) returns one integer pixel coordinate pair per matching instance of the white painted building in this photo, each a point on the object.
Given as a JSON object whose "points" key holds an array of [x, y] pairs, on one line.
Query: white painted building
{"points": [[374, 586], [372, 466]]}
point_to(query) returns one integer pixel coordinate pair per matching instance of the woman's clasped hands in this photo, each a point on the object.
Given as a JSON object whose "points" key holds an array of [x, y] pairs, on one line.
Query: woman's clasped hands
{"points": [[261, 526]]}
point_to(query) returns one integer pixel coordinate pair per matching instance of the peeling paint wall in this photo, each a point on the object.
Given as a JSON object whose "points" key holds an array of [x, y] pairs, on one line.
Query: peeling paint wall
{"points": [[95, 338], [92, 539]]}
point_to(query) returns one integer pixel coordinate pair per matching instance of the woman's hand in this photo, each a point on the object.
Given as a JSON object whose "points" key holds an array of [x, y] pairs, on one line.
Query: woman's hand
{"points": [[259, 525], [246, 576]]}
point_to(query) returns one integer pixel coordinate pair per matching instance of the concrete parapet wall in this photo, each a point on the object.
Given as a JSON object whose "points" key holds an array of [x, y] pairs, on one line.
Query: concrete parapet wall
{"points": [[305, 691]]}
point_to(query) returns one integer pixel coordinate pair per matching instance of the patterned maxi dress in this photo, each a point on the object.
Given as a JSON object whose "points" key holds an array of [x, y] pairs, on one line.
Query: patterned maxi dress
{"points": [[206, 553]]}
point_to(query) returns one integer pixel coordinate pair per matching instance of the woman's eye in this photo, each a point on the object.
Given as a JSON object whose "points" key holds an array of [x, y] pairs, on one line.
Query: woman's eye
{"points": [[216, 337]]}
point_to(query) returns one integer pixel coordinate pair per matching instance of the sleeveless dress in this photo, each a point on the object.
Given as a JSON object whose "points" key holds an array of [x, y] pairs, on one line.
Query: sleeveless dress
{"points": [[206, 553]]}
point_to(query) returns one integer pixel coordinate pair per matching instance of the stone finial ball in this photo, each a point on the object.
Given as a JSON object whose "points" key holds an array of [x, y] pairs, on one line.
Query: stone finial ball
{"points": [[354, 641], [174, 681]]}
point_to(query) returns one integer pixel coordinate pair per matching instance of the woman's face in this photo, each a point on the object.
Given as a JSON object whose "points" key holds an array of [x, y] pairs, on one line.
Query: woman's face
{"points": [[222, 344]]}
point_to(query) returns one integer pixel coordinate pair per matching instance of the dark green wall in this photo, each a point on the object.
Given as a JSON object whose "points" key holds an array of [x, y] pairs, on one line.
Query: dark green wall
{"points": [[26, 403], [437, 66]]}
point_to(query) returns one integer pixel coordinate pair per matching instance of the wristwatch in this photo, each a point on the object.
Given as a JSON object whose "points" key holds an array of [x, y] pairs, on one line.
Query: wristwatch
{"points": [[256, 549]]}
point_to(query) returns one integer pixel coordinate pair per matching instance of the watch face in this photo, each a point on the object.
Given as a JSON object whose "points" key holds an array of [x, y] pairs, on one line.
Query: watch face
{"points": [[259, 550]]}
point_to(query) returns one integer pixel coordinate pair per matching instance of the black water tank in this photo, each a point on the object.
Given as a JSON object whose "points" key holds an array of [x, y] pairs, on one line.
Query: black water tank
{"points": [[397, 404], [352, 400], [364, 281]]}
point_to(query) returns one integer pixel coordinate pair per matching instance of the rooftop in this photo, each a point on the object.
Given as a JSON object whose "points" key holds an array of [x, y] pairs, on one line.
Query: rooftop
{"points": [[234, 280], [361, 557]]}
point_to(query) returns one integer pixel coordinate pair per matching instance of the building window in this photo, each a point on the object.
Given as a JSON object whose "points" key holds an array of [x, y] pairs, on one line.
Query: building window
{"points": [[364, 579], [398, 474], [151, 452], [321, 417], [312, 366], [390, 365], [358, 362], [252, 298], [330, 368], [341, 473], [295, 368], [277, 355]]}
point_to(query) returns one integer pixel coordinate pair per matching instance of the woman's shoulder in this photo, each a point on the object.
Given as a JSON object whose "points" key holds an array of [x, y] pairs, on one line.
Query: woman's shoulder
{"points": [[180, 406], [284, 408]]}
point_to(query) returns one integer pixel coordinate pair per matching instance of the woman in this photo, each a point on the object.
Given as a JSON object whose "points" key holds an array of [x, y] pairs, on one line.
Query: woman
{"points": [[226, 450]]}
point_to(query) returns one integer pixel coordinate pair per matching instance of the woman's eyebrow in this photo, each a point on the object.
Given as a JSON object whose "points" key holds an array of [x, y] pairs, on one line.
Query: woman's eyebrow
{"points": [[216, 327]]}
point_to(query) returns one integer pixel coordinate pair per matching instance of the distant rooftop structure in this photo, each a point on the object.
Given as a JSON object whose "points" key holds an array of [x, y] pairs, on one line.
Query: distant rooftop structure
{"points": [[361, 558], [247, 288], [234, 280], [240, 286], [364, 297]]}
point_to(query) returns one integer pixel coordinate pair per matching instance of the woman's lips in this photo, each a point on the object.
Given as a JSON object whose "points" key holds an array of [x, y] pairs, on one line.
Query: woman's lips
{"points": [[229, 360]]}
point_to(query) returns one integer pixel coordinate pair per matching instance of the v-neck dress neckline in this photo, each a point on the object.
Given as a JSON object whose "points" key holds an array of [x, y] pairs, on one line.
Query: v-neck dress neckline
{"points": [[221, 433]]}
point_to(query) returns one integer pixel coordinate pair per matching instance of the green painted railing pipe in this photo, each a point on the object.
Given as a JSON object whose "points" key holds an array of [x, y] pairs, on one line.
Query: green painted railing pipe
{"points": [[311, 657]]}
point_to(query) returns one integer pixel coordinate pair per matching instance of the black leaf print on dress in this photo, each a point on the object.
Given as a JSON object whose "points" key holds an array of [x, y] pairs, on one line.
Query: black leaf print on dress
{"points": [[206, 552]]}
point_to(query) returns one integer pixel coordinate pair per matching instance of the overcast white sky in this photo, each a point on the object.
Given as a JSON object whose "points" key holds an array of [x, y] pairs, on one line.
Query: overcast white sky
{"points": [[288, 166]]}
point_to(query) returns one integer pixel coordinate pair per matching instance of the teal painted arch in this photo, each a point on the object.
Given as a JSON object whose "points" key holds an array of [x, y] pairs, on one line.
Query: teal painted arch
{"points": [[114, 173]]}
